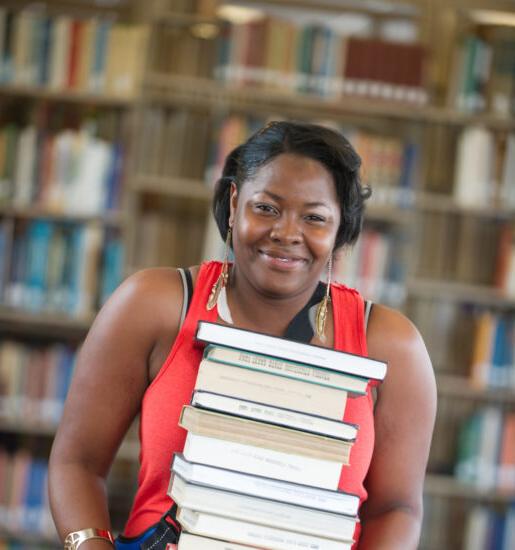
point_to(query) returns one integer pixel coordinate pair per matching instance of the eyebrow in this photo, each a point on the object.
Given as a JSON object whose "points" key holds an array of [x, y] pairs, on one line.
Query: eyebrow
{"points": [[279, 198]]}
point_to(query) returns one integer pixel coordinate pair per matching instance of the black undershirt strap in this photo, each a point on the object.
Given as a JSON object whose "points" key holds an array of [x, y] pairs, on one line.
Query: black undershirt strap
{"points": [[300, 328]]}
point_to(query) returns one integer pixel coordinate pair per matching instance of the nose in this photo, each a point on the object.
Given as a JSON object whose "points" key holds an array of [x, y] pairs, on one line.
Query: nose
{"points": [[286, 230]]}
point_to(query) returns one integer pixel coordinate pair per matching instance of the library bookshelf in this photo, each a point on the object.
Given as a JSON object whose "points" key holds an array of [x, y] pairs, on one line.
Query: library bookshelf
{"points": [[182, 116]]}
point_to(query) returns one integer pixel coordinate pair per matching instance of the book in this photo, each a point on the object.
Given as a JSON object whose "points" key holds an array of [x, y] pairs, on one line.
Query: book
{"points": [[261, 434], [282, 348], [210, 525], [274, 415], [260, 461], [262, 512], [272, 489], [288, 369], [271, 390], [187, 541]]}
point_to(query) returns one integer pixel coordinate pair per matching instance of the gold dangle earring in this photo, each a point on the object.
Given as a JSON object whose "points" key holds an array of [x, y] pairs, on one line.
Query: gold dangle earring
{"points": [[223, 278], [321, 313]]}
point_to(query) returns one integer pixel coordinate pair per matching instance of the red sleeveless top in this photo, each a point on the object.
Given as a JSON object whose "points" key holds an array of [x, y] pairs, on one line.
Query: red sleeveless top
{"points": [[160, 435]]}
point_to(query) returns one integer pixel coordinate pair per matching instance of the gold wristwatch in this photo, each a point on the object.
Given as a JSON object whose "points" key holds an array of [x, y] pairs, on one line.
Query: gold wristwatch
{"points": [[75, 539]]}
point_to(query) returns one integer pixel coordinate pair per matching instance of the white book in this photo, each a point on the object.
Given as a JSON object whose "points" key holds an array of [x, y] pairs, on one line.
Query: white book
{"points": [[187, 541], [287, 369], [261, 511], [473, 173], [283, 348], [269, 538], [272, 489], [275, 415], [271, 390], [59, 52], [250, 459]]}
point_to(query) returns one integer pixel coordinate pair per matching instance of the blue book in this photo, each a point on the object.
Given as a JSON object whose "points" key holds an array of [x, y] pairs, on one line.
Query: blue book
{"points": [[100, 43], [114, 177], [39, 237], [7, 65], [45, 43], [112, 268], [65, 366], [34, 495]]}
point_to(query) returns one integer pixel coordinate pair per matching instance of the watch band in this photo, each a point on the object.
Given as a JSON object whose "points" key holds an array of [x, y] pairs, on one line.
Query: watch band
{"points": [[76, 538]]}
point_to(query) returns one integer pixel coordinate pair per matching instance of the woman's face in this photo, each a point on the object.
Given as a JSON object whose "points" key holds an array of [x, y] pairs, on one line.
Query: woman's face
{"points": [[284, 222]]}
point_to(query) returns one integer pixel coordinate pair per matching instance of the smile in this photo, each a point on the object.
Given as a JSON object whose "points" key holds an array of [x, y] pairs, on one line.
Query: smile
{"points": [[282, 261]]}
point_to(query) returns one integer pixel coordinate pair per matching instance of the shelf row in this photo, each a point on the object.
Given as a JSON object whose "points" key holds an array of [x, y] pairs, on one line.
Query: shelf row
{"points": [[204, 92]]}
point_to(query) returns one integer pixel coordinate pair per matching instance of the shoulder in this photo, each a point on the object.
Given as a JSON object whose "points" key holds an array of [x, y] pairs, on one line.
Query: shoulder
{"points": [[149, 300], [392, 337], [390, 332]]}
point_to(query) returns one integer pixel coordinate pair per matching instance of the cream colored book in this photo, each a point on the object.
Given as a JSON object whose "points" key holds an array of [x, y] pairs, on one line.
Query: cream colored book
{"points": [[274, 415], [261, 434], [271, 390]]}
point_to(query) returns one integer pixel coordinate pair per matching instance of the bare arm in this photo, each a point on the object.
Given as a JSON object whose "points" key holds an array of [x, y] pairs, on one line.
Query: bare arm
{"points": [[111, 376], [404, 420]]}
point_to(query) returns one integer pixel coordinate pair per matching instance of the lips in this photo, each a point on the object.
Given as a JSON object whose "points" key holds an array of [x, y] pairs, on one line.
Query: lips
{"points": [[282, 260]]}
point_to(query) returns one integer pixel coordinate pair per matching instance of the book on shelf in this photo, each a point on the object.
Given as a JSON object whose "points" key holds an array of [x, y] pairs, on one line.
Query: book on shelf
{"points": [[238, 429], [274, 415], [261, 511], [34, 382], [483, 72], [71, 282], [481, 438], [489, 528], [319, 58], [492, 361], [271, 489], [24, 505], [282, 348], [210, 525], [288, 369], [67, 53]]}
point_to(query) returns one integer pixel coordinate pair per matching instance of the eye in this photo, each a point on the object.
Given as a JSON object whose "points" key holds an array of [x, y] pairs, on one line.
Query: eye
{"points": [[265, 208], [315, 218]]}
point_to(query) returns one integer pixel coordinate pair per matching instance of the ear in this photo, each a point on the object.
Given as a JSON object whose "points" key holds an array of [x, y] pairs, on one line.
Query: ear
{"points": [[233, 203]]}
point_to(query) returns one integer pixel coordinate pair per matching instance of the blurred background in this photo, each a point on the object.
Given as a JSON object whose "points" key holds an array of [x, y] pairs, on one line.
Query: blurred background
{"points": [[115, 118]]}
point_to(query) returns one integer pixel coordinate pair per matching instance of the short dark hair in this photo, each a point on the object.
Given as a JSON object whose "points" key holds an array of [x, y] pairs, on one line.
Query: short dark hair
{"points": [[319, 143]]}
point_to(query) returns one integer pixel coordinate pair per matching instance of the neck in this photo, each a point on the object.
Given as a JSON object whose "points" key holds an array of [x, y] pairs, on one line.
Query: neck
{"points": [[250, 309]]}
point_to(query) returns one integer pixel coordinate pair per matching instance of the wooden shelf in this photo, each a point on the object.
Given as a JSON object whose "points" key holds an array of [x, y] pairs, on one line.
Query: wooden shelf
{"points": [[30, 540], [448, 487], [21, 426], [432, 202], [66, 96], [459, 292], [174, 187], [208, 93], [112, 218], [43, 324], [461, 387]]}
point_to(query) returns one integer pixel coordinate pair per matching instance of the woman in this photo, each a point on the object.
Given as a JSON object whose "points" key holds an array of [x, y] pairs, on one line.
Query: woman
{"points": [[288, 199]]}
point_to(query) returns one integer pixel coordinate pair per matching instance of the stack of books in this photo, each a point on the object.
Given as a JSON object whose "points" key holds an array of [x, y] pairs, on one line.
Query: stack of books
{"points": [[266, 444]]}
